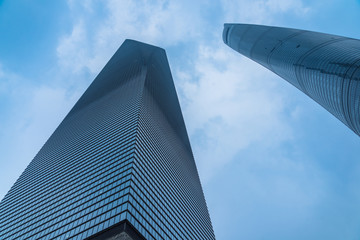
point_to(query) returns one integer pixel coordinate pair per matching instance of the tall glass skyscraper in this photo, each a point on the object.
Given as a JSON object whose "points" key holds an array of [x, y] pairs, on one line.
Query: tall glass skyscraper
{"points": [[325, 67], [119, 166]]}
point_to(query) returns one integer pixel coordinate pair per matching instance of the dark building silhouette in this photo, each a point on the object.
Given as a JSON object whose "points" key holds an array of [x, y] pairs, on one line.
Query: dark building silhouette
{"points": [[119, 166], [325, 67]]}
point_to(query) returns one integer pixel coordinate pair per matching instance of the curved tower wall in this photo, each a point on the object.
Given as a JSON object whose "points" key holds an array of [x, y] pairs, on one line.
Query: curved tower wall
{"points": [[325, 67]]}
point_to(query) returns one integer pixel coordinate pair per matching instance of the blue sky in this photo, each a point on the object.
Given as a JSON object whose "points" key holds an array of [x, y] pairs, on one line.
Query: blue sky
{"points": [[273, 164]]}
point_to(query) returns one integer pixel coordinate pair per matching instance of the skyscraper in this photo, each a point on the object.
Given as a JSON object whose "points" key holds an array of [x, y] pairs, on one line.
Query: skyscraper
{"points": [[325, 67], [119, 166]]}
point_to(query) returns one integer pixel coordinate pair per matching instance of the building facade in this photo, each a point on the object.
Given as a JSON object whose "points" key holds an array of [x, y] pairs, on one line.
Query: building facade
{"points": [[325, 67], [119, 166]]}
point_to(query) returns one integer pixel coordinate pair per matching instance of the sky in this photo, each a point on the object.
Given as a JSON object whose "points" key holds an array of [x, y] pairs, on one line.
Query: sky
{"points": [[272, 162]]}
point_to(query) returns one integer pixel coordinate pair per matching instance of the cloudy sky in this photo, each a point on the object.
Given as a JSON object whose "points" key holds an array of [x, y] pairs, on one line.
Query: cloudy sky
{"points": [[273, 164]]}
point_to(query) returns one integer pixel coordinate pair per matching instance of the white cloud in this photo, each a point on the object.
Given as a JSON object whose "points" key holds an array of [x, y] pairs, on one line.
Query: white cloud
{"points": [[286, 6], [71, 52], [230, 104], [88, 5], [8, 81], [35, 113], [90, 46], [261, 11], [158, 21]]}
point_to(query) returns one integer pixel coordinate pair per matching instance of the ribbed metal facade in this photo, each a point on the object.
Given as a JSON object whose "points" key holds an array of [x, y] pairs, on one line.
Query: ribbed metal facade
{"points": [[325, 67], [122, 154]]}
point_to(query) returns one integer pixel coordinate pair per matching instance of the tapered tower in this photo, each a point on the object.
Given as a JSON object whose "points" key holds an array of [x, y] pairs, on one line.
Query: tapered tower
{"points": [[119, 166], [325, 67]]}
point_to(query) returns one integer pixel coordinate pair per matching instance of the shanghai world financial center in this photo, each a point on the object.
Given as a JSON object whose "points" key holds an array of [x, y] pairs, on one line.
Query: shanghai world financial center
{"points": [[120, 165]]}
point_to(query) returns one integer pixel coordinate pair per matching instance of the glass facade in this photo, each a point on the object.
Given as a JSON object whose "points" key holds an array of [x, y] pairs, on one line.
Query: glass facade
{"points": [[121, 155], [325, 67]]}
